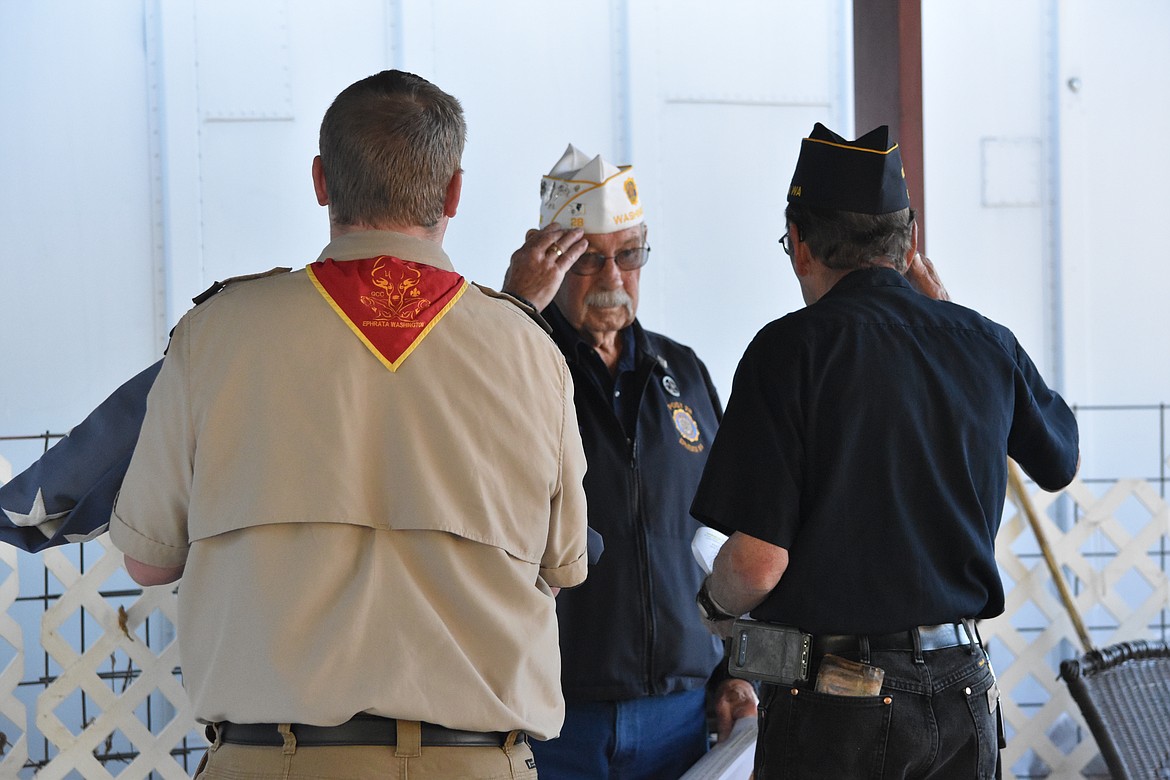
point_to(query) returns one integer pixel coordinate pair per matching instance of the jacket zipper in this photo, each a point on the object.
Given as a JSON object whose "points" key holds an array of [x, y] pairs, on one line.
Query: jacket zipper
{"points": [[644, 559], [640, 521]]}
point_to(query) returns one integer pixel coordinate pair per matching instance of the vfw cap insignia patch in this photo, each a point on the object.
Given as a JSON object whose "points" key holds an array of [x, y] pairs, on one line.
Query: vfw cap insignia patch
{"points": [[389, 303]]}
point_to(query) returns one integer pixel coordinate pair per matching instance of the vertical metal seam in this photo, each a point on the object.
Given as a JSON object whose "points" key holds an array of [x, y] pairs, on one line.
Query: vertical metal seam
{"points": [[158, 270], [198, 119], [161, 251], [843, 60], [393, 34], [619, 15], [1054, 259]]}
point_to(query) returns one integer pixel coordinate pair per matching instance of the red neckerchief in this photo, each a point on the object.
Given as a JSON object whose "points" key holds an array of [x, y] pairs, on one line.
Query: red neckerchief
{"points": [[389, 303]]}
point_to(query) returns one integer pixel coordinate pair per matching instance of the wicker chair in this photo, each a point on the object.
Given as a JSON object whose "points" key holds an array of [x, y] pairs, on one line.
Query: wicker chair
{"points": [[1123, 692]]}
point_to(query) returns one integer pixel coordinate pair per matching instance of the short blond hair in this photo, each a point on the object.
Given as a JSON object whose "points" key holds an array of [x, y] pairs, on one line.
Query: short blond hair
{"points": [[390, 144]]}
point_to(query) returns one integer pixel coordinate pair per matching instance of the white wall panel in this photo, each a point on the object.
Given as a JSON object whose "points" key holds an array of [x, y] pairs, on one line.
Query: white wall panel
{"points": [[257, 138], [75, 230], [218, 105], [245, 63], [986, 98], [158, 146], [533, 77], [1059, 99], [723, 96], [718, 273], [261, 97], [1114, 168]]}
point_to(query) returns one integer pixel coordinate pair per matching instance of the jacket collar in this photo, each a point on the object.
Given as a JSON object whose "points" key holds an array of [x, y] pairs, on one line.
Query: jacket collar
{"points": [[570, 341], [372, 243]]}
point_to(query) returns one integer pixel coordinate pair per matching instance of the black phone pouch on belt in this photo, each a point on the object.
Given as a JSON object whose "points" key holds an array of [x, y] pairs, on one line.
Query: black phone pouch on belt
{"points": [[768, 652]]}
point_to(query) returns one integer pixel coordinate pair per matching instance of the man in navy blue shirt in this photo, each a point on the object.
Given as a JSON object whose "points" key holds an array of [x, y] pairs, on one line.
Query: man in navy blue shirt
{"points": [[861, 470], [636, 660]]}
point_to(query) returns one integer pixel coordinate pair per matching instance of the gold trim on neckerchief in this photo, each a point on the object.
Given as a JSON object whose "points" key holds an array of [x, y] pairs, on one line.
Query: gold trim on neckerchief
{"points": [[389, 303]]}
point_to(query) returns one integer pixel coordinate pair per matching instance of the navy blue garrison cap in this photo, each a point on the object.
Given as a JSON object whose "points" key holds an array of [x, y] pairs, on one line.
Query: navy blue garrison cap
{"points": [[864, 176]]}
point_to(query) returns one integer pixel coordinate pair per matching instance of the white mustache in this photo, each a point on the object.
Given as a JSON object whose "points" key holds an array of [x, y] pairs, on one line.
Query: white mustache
{"points": [[604, 299]]}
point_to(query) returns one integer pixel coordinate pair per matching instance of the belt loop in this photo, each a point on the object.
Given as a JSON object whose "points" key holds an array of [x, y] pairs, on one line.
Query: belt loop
{"points": [[214, 734], [973, 639], [863, 647], [510, 741], [290, 739], [409, 743], [916, 638]]}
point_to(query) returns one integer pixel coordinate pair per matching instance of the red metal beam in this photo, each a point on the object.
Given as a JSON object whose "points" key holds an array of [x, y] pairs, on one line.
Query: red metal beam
{"points": [[887, 84]]}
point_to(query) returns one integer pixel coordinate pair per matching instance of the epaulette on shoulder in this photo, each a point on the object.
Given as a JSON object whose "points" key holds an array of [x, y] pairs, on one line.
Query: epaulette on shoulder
{"points": [[219, 287], [519, 303]]}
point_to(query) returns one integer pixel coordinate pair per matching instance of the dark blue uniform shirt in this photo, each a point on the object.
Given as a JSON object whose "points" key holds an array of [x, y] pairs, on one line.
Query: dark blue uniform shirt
{"points": [[632, 628], [621, 387], [868, 434]]}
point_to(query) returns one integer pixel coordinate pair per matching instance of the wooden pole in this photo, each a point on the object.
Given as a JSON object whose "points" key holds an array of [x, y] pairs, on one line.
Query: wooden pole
{"points": [[1016, 487]]}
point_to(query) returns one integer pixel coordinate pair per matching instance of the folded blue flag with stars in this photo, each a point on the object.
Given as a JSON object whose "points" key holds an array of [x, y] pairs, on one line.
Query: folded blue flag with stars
{"points": [[68, 494]]}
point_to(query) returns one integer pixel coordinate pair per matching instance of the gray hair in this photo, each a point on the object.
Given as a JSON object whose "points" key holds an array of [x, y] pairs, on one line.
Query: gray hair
{"points": [[846, 240], [390, 144]]}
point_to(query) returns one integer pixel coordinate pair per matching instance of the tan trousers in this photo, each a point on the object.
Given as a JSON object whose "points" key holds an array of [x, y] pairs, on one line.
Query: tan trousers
{"points": [[406, 761]]}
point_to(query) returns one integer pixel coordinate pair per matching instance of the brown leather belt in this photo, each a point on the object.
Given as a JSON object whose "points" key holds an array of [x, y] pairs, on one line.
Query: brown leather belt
{"points": [[360, 730], [929, 638]]}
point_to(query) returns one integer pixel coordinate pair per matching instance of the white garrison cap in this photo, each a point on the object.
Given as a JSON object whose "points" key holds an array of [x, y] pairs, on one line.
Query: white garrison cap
{"points": [[590, 194]]}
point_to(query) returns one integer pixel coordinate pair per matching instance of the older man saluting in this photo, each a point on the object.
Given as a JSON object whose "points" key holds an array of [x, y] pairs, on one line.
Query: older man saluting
{"points": [[635, 658]]}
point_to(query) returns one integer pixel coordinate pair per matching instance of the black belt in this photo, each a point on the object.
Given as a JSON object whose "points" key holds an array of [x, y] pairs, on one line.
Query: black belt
{"points": [[360, 730], [929, 638]]}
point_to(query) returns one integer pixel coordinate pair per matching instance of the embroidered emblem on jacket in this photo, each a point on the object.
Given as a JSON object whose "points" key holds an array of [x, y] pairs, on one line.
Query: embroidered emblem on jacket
{"points": [[684, 423], [389, 303]]}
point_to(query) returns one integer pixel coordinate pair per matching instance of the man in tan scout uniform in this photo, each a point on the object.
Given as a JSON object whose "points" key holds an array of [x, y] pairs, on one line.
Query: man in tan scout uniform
{"points": [[368, 474]]}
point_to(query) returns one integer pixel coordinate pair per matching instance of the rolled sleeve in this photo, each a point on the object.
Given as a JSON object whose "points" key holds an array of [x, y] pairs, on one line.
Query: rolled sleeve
{"points": [[142, 548], [565, 561], [566, 576], [149, 521]]}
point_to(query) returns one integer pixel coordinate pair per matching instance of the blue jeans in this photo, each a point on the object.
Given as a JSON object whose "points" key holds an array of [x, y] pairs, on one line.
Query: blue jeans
{"points": [[932, 719], [655, 737]]}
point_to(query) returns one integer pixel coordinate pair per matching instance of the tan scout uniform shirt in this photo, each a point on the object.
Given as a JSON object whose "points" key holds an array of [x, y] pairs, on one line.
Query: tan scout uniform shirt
{"points": [[356, 539]]}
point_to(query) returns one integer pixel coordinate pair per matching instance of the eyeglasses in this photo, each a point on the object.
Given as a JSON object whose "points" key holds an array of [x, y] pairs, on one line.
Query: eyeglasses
{"points": [[786, 243], [626, 260]]}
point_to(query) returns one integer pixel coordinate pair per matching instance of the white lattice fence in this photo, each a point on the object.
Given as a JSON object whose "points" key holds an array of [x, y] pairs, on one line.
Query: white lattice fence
{"points": [[1113, 555], [1113, 559], [107, 704], [13, 744], [117, 720]]}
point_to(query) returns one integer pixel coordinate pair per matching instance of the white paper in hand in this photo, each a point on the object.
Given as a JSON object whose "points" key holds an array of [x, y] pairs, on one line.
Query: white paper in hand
{"points": [[731, 759], [706, 546]]}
